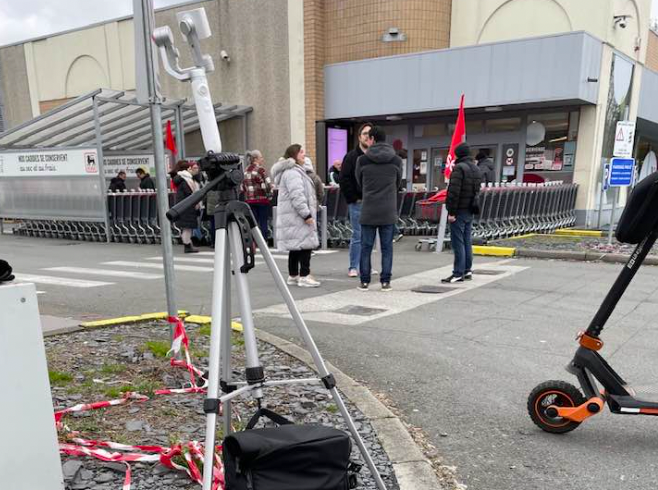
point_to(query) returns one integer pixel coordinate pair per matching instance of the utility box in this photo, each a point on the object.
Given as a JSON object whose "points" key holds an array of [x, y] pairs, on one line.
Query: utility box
{"points": [[29, 452]]}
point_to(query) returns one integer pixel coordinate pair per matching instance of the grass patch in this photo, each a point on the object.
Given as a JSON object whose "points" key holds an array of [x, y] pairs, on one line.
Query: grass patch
{"points": [[205, 330], [113, 368], [332, 408], [158, 348], [118, 338], [58, 378], [118, 391]]}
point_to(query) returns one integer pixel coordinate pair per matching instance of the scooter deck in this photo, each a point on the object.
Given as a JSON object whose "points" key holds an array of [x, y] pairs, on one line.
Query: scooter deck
{"points": [[644, 400]]}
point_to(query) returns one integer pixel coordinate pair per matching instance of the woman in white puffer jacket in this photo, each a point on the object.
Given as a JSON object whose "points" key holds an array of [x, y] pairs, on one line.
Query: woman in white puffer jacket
{"points": [[297, 209]]}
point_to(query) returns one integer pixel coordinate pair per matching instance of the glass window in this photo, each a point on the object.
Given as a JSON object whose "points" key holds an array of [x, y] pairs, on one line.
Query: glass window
{"points": [[547, 147], [436, 129], [502, 125]]}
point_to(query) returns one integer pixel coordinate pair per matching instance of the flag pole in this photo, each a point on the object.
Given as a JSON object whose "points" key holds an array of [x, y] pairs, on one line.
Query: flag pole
{"points": [[458, 137]]}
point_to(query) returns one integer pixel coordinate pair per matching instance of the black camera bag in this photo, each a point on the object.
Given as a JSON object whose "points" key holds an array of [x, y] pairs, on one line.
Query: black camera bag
{"points": [[288, 457]]}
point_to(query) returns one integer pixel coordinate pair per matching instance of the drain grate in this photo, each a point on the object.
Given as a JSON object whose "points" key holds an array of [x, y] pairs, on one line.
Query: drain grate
{"points": [[432, 289], [360, 310]]}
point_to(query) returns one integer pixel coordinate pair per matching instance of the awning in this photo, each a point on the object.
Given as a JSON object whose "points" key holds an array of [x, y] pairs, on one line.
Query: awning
{"points": [[124, 123]]}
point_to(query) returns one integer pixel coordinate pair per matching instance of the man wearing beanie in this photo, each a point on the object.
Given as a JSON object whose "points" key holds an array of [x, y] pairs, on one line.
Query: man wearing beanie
{"points": [[461, 203]]}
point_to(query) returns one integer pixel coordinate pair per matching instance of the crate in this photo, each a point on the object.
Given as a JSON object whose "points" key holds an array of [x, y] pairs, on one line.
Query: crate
{"points": [[428, 211]]}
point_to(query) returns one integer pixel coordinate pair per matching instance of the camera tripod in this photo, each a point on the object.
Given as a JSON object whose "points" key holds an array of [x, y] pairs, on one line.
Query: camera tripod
{"points": [[236, 236]]}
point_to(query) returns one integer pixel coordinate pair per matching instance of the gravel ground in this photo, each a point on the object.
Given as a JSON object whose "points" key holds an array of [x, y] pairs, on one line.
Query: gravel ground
{"points": [[576, 244], [97, 365]]}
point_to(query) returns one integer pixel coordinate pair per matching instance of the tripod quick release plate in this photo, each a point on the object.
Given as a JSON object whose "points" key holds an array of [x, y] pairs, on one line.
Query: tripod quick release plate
{"points": [[226, 164]]}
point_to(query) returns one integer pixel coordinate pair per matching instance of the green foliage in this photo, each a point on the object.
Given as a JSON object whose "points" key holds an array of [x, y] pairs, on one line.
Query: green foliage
{"points": [[332, 408], [58, 378], [205, 330], [159, 348], [113, 368]]}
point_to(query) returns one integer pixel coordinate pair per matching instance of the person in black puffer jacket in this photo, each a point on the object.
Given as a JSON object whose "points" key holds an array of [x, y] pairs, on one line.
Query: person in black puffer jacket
{"points": [[463, 191]]}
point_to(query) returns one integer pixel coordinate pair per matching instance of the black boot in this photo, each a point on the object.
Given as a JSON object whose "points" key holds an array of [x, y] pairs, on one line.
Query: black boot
{"points": [[189, 249]]}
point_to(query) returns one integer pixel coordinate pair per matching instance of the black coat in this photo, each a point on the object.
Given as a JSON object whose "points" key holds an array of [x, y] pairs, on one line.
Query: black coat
{"points": [[117, 185], [348, 185], [464, 186], [378, 175], [147, 183], [189, 218]]}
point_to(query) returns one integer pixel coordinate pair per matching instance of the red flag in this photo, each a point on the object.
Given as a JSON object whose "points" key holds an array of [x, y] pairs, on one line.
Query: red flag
{"points": [[170, 142], [458, 137]]}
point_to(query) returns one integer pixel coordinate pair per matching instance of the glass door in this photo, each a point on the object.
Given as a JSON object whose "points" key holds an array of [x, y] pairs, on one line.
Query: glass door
{"points": [[437, 180]]}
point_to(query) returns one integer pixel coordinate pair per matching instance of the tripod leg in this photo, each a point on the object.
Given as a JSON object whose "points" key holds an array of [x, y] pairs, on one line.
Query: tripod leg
{"points": [[218, 304], [254, 371], [226, 342], [327, 378]]}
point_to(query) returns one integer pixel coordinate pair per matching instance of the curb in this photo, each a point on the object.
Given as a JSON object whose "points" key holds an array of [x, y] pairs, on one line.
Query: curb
{"points": [[489, 250], [207, 320], [588, 256], [131, 319], [583, 233], [413, 470]]}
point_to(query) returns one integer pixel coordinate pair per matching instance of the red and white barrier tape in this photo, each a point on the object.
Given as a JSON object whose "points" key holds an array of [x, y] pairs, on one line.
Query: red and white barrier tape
{"points": [[192, 452]]}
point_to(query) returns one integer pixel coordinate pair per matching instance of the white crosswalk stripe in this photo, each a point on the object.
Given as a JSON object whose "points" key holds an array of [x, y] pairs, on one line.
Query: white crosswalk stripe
{"points": [[105, 272], [147, 265], [351, 307], [192, 260], [60, 281]]}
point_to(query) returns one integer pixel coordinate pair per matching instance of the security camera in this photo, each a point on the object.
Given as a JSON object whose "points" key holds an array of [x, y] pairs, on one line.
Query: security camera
{"points": [[621, 21], [224, 56]]}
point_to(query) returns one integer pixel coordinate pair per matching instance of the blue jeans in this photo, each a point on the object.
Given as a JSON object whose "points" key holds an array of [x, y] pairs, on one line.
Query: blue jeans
{"points": [[368, 234], [355, 241], [261, 215], [462, 246]]}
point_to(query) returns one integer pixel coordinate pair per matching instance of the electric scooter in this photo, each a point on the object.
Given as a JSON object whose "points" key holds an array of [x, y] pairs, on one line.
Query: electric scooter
{"points": [[559, 407]]}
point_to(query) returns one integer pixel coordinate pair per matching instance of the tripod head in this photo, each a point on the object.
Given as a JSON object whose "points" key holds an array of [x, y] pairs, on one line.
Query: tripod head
{"points": [[194, 26], [225, 170]]}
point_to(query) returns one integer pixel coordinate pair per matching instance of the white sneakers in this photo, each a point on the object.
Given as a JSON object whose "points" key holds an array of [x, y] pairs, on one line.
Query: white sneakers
{"points": [[303, 282], [308, 282]]}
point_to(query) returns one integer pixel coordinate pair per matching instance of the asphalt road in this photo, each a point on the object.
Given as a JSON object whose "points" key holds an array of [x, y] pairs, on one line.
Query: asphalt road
{"points": [[458, 366]]}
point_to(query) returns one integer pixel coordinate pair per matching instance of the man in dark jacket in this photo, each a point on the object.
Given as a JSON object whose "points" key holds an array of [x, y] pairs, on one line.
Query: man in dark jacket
{"points": [[378, 175], [352, 194], [486, 166], [463, 190], [146, 182], [118, 183]]}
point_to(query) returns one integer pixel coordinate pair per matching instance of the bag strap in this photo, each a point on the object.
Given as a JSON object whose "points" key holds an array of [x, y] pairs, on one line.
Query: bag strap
{"points": [[264, 412]]}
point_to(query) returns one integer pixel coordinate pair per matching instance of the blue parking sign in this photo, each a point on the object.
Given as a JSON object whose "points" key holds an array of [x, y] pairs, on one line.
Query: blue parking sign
{"points": [[621, 172]]}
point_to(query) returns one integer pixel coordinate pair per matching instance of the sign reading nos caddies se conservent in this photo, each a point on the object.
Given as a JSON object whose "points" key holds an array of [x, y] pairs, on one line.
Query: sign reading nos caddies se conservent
{"points": [[70, 162]]}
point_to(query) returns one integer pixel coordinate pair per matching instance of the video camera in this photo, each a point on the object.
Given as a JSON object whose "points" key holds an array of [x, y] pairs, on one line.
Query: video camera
{"points": [[226, 165]]}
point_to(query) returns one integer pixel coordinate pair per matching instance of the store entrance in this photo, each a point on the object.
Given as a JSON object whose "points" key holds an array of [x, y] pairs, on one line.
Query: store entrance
{"points": [[430, 163]]}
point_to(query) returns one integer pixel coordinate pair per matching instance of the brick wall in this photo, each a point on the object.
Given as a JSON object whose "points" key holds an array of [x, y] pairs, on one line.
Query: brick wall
{"points": [[652, 52], [46, 105], [346, 30]]}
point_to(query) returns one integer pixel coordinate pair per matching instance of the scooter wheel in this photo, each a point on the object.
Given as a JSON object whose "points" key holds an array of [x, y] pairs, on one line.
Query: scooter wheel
{"points": [[555, 393]]}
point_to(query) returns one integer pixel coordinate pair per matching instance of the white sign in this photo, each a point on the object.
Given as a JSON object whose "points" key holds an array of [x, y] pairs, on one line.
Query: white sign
{"points": [[128, 163], [624, 138], [49, 163]]}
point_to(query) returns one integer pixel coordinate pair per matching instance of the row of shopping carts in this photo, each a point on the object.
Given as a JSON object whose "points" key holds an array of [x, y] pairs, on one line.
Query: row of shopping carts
{"points": [[511, 209], [505, 210]]}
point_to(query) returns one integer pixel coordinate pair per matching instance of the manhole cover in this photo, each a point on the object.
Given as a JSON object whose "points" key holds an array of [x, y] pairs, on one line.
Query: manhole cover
{"points": [[486, 272], [360, 310], [432, 289]]}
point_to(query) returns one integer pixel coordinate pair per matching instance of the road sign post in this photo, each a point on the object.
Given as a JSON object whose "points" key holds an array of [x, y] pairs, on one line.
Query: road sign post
{"points": [[621, 174]]}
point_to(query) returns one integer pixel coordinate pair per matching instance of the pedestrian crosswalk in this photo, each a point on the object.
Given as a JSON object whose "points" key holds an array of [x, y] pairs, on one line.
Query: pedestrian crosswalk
{"points": [[113, 272]]}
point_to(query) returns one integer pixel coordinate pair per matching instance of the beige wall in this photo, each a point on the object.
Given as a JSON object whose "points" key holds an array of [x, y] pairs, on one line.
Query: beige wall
{"points": [[64, 66], [652, 52], [483, 21], [17, 106]]}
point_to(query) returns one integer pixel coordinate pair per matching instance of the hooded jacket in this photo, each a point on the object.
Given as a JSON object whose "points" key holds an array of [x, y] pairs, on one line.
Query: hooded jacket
{"points": [[464, 186], [296, 203], [117, 185], [378, 177], [147, 183]]}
